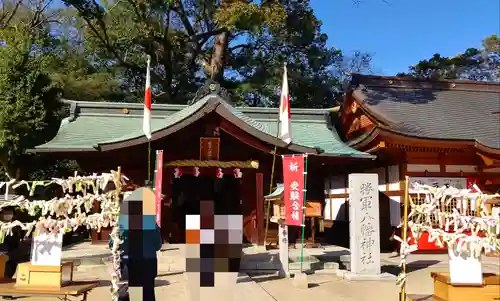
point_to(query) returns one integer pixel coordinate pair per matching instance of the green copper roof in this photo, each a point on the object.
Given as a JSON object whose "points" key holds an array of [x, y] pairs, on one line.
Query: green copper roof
{"points": [[280, 188], [93, 124]]}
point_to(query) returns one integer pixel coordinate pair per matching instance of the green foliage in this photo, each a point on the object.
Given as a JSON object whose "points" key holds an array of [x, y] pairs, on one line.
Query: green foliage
{"points": [[243, 15], [243, 44], [96, 50], [473, 64], [28, 98]]}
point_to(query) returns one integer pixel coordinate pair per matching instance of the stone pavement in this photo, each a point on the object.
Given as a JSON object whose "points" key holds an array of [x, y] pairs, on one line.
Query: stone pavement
{"points": [[171, 280]]}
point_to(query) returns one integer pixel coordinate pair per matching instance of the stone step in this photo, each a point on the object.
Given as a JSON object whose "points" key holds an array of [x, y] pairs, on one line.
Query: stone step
{"points": [[314, 266], [293, 266]]}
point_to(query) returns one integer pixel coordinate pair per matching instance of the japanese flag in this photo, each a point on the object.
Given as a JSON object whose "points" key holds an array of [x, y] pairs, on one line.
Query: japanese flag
{"points": [[146, 123], [285, 129]]}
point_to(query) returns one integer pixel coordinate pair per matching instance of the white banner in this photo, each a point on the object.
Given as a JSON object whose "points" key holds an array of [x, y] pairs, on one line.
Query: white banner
{"points": [[458, 183]]}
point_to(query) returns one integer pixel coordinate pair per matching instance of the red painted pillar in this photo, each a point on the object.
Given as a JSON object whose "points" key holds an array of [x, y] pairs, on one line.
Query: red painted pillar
{"points": [[166, 202]]}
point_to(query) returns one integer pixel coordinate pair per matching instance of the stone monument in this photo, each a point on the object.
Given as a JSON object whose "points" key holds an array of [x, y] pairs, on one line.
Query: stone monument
{"points": [[364, 229]]}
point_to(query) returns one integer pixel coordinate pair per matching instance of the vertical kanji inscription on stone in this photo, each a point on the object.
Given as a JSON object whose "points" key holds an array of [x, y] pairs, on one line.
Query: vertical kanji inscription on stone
{"points": [[364, 223]]}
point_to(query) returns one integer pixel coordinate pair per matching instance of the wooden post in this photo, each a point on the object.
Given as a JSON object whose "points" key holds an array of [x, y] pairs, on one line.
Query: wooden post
{"points": [[404, 234], [259, 190]]}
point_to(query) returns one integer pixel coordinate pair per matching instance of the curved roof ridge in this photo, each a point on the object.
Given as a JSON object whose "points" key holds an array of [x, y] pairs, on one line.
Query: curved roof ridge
{"points": [[310, 137], [250, 121]]}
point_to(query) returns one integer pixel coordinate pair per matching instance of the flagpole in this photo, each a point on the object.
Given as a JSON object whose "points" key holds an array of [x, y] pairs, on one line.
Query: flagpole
{"points": [[147, 116], [272, 177], [303, 226], [149, 160], [271, 187]]}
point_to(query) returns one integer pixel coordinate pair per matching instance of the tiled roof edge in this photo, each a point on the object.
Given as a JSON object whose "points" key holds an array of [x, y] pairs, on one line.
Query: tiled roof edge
{"points": [[416, 83], [172, 107]]}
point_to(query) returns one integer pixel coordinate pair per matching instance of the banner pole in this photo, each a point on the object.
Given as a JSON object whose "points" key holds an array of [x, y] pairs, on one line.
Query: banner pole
{"points": [[155, 171], [270, 191], [404, 235], [303, 213], [149, 160]]}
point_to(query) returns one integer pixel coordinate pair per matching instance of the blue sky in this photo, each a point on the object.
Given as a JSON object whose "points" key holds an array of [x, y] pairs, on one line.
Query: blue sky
{"points": [[401, 33]]}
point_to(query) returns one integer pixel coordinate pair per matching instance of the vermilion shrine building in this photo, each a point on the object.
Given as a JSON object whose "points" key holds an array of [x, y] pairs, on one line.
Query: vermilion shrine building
{"points": [[434, 132]]}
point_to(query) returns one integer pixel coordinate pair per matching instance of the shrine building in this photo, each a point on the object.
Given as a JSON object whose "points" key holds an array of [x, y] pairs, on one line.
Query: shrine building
{"points": [[435, 132], [212, 151]]}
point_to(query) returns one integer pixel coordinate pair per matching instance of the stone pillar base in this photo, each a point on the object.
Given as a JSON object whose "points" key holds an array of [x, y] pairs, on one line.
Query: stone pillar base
{"points": [[347, 275]]}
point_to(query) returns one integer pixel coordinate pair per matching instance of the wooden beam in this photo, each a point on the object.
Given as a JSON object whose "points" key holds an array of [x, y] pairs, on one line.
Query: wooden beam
{"points": [[379, 146], [489, 161], [213, 163]]}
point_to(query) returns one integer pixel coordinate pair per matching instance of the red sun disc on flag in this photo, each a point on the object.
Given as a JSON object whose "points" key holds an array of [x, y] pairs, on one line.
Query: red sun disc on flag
{"points": [[285, 102], [147, 98]]}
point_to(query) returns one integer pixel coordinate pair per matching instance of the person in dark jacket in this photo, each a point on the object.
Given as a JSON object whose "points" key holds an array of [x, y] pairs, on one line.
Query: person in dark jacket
{"points": [[137, 219], [13, 246]]}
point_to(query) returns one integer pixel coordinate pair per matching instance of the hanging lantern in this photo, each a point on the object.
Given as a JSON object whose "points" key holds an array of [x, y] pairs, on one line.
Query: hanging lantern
{"points": [[219, 174], [196, 172], [237, 173], [177, 173]]}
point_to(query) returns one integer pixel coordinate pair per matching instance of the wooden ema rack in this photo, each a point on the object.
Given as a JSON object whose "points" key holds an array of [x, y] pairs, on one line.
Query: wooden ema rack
{"points": [[445, 291]]}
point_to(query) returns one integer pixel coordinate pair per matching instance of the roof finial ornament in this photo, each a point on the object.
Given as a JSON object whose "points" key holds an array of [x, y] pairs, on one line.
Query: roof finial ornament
{"points": [[210, 87]]}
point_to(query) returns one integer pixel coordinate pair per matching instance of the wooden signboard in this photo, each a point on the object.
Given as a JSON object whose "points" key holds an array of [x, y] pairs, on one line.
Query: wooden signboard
{"points": [[38, 275], [313, 209], [209, 148]]}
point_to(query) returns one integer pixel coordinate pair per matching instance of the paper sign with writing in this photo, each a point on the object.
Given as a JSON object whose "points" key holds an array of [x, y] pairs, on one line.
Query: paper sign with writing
{"points": [[46, 249], [209, 148], [293, 181], [364, 224], [158, 186], [458, 183]]}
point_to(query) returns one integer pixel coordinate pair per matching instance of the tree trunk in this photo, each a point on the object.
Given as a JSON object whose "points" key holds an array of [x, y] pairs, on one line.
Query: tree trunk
{"points": [[219, 56]]}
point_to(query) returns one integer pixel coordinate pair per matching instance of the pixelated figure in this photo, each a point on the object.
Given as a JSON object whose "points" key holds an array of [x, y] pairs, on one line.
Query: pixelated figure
{"points": [[213, 253], [137, 223]]}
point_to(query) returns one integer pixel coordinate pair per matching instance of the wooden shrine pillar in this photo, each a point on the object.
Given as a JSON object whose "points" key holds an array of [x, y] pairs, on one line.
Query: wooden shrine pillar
{"points": [[166, 203], [248, 207], [259, 198]]}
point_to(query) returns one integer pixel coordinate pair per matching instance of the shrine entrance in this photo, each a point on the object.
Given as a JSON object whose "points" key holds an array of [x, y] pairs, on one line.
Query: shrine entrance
{"points": [[189, 190]]}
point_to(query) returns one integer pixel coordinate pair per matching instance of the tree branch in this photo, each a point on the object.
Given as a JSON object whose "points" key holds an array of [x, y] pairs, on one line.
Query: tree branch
{"points": [[204, 37], [241, 46], [6, 15], [181, 12]]}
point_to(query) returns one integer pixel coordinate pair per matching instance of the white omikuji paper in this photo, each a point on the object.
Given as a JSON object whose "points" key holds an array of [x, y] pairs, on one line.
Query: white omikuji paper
{"points": [[46, 249]]}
